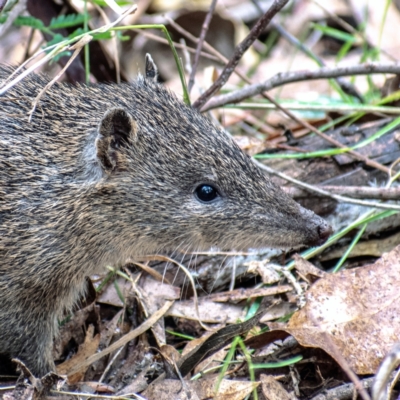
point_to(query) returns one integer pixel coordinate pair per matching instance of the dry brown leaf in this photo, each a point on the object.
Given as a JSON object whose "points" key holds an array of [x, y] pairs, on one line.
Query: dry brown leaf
{"points": [[110, 295], [305, 268], [194, 343], [243, 294], [278, 310], [209, 311], [170, 354], [228, 389], [268, 274], [72, 330], [90, 387], [168, 389], [250, 145], [354, 312], [109, 329], [214, 360], [86, 349], [155, 293], [152, 295], [272, 389], [203, 389]]}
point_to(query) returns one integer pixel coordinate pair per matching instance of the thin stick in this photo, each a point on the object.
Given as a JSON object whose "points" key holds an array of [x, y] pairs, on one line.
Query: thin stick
{"points": [[55, 49], [241, 48], [342, 392], [217, 55], [284, 78], [316, 189], [346, 86], [204, 30], [18, 9], [360, 192], [125, 339], [77, 47]]}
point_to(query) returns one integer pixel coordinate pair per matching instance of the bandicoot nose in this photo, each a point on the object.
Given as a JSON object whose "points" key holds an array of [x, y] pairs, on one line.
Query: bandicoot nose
{"points": [[324, 231]]}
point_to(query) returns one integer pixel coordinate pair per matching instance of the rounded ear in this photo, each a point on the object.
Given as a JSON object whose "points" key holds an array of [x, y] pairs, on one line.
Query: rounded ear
{"points": [[151, 68], [116, 130]]}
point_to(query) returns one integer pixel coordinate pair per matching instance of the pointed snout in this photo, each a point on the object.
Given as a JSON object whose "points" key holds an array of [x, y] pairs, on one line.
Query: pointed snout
{"points": [[318, 229], [324, 231]]}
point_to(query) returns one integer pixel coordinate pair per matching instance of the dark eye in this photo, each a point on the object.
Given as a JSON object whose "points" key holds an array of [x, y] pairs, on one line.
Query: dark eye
{"points": [[206, 193]]}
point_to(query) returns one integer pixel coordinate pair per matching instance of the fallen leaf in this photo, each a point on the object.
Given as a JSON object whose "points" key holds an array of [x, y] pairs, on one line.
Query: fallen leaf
{"points": [[152, 295], [307, 269], [168, 389], [210, 312], [110, 295], [227, 390], [354, 312], [263, 268], [88, 348], [243, 294], [74, 329], [272, 389]]}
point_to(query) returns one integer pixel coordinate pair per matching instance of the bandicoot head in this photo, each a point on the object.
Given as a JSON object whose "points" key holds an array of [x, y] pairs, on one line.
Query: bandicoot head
{"points": [[187, 182]]}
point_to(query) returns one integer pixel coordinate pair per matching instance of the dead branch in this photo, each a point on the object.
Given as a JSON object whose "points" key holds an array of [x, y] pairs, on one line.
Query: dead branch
{"points": [[204, 30], [284, 78], [241, 48], [316, 189], [359, 192]]}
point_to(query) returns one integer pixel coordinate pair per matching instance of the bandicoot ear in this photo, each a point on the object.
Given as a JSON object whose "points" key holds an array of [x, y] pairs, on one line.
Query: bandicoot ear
{"points": [[151, 68], [116, 130]]}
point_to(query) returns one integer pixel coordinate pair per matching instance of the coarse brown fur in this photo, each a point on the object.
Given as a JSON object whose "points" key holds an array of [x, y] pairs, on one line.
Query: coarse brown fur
{"points": [[106, 172]]}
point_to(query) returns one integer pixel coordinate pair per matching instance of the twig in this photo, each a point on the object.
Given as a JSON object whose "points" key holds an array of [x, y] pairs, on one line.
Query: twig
{"points": [[284, 78], [342, 392], [109, 365], [316, 189], [203, 33], [124, 339], [360, 192], [53, 50], [18, 9], [340, 359], [346, 86], [218, 56], [2, 4], [385, 373], [98, 396], [241, 48], [339, 108], [77, 47]]}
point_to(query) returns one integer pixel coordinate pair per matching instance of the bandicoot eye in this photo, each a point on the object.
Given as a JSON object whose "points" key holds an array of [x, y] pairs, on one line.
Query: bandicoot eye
{"points": [[206, 193]]}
